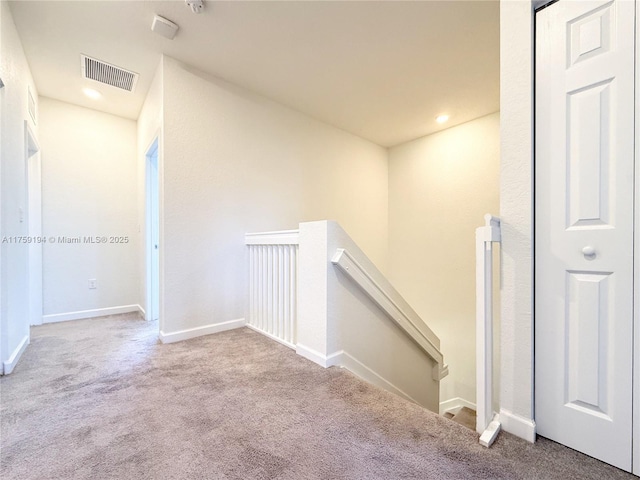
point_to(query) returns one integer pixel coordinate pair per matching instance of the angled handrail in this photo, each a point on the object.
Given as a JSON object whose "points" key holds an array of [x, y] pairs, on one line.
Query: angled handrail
{"points": [[386, 298]]}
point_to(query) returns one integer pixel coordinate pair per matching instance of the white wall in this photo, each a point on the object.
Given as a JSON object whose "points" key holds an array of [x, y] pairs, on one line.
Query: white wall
{"points": [[89, 188], [235, 162], [15, 73], [339, 324], [516, 212], [440, 187], [2, 292], [149, 127], [370, 343]]}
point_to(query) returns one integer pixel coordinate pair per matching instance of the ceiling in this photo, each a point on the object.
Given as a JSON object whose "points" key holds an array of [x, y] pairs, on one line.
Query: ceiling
{"points": [[381, 70]]}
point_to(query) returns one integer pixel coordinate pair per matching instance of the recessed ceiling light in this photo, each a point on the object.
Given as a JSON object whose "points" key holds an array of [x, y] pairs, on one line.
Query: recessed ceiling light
{"points": [[91, 93], [442, 118]]}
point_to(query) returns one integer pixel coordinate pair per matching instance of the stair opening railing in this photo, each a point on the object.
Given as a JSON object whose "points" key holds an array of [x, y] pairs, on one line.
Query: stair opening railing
{"points": [[273, 258], [487, 424], [314, 290], [387, 297]]}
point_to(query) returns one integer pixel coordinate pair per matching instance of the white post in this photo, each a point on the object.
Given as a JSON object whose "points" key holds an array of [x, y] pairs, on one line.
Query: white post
{"points": [[312, 336], [486, 425]]}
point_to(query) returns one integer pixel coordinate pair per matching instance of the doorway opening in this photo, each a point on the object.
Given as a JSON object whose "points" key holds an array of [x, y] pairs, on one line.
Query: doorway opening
{"points": [[33, 170], [152, 307]]}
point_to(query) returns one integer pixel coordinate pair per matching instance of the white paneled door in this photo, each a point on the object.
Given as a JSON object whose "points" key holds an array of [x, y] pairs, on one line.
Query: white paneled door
{"points": [[584, 227]]}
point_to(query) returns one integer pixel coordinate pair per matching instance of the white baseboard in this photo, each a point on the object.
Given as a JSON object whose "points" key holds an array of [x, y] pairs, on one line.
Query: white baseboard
{"points": [[272, 337], [311, 354], [12, 361], [524, 428], [453, 405], [98, 312], [172, 337], [344, 360]]}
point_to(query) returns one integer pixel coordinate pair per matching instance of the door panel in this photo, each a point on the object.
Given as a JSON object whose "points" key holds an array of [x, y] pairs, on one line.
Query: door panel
{"points": [[587, 329], [584, 226], [589, 162]]}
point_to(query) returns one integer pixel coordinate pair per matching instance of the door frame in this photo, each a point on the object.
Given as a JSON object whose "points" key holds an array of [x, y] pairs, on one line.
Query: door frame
{"points": [[636, 262], [152, 150], [33, 202]]}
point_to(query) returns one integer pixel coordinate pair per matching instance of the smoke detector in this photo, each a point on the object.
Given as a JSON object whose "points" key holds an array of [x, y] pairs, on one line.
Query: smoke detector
{"points": [[104, 72], [196, 5]]}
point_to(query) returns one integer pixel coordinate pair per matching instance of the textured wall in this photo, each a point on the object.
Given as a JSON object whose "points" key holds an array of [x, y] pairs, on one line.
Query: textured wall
{"points": [[516, 210], [235, 162], [149, 126], [440, 187], [339, 324], [15, 73], [362, 331], [89, 188]]}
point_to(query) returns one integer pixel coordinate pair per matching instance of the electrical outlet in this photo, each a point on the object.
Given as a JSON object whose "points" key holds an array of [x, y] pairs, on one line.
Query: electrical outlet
{"points": [[93, 283]]}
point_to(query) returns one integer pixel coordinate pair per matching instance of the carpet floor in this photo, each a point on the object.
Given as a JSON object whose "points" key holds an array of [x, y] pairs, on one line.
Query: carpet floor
{"points": [[466, 417], [102, 399]]}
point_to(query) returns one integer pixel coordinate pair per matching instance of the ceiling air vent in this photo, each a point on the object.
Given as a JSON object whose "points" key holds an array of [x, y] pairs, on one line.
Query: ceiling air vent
{"points": [[108, 74]]}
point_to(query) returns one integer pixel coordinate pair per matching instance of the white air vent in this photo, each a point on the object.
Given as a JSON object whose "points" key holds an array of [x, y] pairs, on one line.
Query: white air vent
{"points": [[108, 74]]}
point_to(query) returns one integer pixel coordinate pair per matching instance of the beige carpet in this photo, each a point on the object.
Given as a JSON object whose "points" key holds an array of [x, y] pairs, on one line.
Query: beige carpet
{"points": [[101, 399], [466, 417]]}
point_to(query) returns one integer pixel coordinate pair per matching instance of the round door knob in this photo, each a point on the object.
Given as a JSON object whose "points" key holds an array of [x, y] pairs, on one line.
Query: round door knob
{"points": [[588, 251]]}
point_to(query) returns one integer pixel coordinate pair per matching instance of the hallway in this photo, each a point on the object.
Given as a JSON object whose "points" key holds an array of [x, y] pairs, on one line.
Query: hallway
{"points": [[103, 399]]}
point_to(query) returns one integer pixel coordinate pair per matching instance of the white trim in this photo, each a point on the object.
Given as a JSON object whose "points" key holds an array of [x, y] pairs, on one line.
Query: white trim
{"points": [[454, 405], [408, 321], [284, 237], [152, 149], [635, 428], [32, 145], [172, 337], [98, 312], [147, 228], [490, 433], [272, 337], [344, 360], [33, 169], [314, 356], [31, 106], [10, 364], [142, 312], [524, 428]]}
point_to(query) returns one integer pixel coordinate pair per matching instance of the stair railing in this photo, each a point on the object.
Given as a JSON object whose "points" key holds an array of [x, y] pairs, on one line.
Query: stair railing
{"points": [[273, 258], [297, 297], [388, 299], [487, 424]]}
